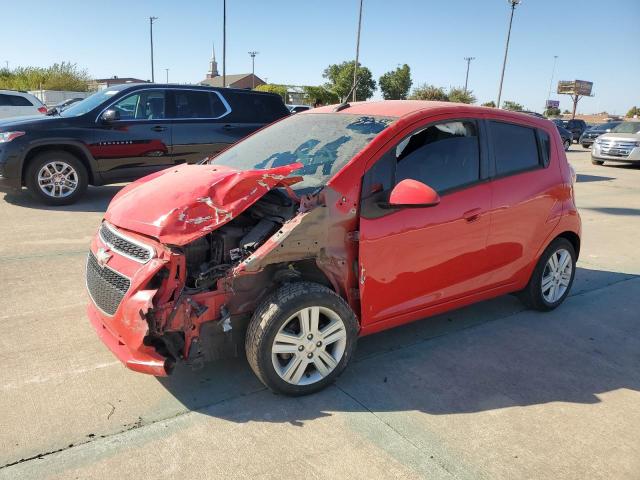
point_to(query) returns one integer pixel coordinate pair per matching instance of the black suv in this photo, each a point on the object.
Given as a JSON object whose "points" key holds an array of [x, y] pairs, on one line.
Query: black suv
{"points": [[125, 132], [575, 126]]}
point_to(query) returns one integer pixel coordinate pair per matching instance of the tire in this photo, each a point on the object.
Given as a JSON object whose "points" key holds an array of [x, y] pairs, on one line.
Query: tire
{"points": [[303, 364], [70, 171], [566, 144], [597, 162], [534, 296]]}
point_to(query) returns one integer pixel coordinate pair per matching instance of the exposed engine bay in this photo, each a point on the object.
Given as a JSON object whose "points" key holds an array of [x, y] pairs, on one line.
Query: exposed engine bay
{"points": [[210, 257]]}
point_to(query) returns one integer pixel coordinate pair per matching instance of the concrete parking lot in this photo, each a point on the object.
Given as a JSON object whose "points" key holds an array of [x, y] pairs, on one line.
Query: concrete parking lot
{"points": [[489, 391]]}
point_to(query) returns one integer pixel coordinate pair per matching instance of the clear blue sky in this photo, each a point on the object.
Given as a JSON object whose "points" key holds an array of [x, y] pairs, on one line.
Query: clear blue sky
{"points": [[595, 40]]}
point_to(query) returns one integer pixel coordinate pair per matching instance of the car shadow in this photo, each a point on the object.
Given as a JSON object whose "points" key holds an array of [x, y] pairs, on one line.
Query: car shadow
{"points": [[614, 210], [96, 199], [581, 177], [491, 355]]}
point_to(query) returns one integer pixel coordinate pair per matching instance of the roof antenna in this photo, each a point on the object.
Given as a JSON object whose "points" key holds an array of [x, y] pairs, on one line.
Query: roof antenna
{"points": [[344, 104]]}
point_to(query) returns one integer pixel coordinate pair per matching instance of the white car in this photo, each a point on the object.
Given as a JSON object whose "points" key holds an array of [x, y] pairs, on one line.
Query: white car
{"points": [[298, 108], [621, 144], [19, 104]]}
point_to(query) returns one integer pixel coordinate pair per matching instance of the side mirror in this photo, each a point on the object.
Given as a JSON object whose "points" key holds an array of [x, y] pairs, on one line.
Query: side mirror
{"points": [[110, 115], [411, 193]]}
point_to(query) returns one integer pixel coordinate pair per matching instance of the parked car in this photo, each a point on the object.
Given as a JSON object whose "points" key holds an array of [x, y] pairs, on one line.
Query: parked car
{"points": [[126, 132], [566, 136], [589, 135], [332, 224], [58, 107], [298, 108], [19, 104], [621, 144], [575, 126]]}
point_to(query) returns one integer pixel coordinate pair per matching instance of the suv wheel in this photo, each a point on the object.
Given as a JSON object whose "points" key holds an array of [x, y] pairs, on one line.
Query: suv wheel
{"points": [[301, 338], [597, 162], [56, 178], [552, 278], [567, 144]]}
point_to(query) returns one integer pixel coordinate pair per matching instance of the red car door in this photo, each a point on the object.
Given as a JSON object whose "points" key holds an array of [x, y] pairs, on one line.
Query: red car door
{"points": [[413, 258]]}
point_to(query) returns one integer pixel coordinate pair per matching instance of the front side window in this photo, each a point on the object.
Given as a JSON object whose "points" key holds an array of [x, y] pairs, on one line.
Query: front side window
{"points": [[198, 104], [444, 156], [145, 105], [323, 143], [515, 148]]}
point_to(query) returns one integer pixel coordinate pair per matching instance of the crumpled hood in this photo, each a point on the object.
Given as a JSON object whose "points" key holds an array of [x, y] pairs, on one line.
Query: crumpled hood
{"points": [[180, 204]]}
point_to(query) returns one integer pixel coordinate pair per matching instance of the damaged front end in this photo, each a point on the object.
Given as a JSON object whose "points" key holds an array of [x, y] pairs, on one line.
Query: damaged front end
{"points": [[184, 257]]}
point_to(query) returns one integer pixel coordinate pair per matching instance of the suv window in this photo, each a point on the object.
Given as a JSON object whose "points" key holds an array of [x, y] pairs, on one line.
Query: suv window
{"points": [[515, 148], [145, 105], [255, 108], [14, 101], [444, 156], [198, 104]]}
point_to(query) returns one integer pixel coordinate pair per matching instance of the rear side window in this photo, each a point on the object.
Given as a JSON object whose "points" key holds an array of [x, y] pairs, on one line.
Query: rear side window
{"points": [[515, 148], [545, 147], [196, 104], [14, 101], [444, 156]]}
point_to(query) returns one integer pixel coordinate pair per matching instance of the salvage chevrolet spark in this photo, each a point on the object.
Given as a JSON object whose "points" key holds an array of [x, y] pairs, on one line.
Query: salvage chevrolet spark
{"points": [[328, 225]]}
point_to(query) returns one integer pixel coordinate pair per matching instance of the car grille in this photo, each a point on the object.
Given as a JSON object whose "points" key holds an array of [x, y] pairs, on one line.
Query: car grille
{"points": [[615, 148], [106, 287], [123, 245]]}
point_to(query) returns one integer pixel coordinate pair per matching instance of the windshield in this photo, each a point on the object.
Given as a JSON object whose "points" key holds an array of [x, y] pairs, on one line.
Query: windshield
{"points": [[323, 143], [627, 127], [88, 104]]}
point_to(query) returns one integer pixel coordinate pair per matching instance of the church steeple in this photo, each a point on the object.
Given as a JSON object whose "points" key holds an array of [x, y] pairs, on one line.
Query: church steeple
{"points": [[213, 65]]}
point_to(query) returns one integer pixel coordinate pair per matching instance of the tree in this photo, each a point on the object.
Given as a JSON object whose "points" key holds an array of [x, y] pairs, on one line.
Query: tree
{"points": [[633, 111], [552, 112], [395, 84], [513, 106], [461, 95], [340, 80], [274, 88], [566, 112], [490, 103], [428, 92], [314, 94], [59, 76]]}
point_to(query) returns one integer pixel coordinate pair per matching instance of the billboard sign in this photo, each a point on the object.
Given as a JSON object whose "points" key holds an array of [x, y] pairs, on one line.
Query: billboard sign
{"points": [[575, 87], [553, 103]]}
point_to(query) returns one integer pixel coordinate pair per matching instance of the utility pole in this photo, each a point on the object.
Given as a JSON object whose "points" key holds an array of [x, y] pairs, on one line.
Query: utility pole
{"points": [[253, 68], [513, 4], [466, 79], [151, 20], [553, 72], [224, 43], [167, 70], [355, 67]]}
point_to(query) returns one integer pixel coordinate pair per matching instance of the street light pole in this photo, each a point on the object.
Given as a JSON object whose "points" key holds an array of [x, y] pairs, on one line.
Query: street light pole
{"points": [[224, 43], [253, 69], [355, 67], [167, 70], [513, 4], [553, 72], [466, 79], [151, 20]]}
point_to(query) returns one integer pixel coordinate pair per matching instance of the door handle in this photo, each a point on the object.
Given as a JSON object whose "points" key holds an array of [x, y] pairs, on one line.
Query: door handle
{"points": [[158, 128], [472, 215], [228, 127]]}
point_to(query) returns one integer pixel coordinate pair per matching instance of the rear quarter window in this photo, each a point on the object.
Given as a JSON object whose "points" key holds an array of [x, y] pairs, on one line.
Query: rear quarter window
{"points": [[255, 108], [515, 148]]}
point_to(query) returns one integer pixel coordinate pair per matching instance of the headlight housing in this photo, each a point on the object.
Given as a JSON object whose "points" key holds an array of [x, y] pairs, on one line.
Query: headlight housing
{"points": [[598, 140], [6, 137]]}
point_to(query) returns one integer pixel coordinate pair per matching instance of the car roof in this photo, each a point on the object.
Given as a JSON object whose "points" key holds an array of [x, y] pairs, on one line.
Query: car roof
{"points": [[407, 108], [205, 88]]}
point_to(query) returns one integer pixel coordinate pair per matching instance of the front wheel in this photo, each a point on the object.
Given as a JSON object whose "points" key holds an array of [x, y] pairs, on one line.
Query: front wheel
{"points": [[552, 278], [597, 162], [567, 145], [301, 338], [56, 178]]}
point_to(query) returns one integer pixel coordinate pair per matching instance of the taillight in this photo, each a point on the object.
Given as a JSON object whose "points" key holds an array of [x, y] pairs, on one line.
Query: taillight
{"points": [[42, 109]]}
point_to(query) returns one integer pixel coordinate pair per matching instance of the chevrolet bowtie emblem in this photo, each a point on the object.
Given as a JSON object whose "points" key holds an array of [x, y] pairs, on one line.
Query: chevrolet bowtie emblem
{"points": [[103, 256]]}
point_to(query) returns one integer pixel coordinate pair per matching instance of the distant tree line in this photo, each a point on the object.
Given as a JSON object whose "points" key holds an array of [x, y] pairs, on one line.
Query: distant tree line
{"points": [[59, 76]]}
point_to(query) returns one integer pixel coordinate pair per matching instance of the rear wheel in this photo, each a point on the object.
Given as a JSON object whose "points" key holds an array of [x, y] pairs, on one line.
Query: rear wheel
{"points": [[552, 278], [56, 178], [566, 144], [597, 162], [301, 338]]}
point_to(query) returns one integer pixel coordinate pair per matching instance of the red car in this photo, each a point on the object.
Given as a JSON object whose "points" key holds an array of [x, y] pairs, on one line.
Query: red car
{"points": [[328, 225]]}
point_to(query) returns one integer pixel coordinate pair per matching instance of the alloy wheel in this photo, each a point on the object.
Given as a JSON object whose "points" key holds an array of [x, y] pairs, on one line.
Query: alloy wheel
{"points": [[556, 275], [309, 345], [57, 179]]}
